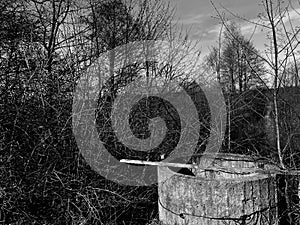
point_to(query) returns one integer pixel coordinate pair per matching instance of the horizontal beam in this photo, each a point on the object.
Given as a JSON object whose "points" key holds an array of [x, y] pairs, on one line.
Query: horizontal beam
{"points": [[166, 164], [215, 168]]}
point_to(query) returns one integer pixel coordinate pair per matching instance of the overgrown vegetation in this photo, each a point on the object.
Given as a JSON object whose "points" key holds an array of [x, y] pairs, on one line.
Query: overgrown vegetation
{"points": [[45, 46]]}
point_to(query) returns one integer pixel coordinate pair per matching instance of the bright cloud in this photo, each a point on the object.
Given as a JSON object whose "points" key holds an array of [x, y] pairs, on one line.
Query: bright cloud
{"points": [[192, 19]]}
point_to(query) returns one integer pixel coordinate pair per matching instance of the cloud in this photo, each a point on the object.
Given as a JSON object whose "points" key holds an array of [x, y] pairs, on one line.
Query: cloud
{"points": [[251, 26], [215, 29], [292, 15], [199, 20], [192, 19]]}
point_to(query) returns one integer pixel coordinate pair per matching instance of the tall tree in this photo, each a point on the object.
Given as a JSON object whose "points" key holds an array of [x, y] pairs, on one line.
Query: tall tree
{"points": [[241, 68], [116, 22]]}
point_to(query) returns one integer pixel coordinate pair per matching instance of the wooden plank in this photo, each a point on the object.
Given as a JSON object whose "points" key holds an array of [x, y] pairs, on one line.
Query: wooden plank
{"points": [[165, 164], [239, 171]]}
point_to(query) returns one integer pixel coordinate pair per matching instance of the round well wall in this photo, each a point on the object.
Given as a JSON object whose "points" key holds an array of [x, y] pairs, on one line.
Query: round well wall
{"points": [[217, 197]]}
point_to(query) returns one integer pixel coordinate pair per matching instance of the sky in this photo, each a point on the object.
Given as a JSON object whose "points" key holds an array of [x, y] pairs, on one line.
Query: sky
{"points": [[200, 18]]}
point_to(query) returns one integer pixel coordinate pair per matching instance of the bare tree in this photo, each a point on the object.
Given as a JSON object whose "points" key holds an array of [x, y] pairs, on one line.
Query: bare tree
{"points": [[283, 35], [232, 67]]}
